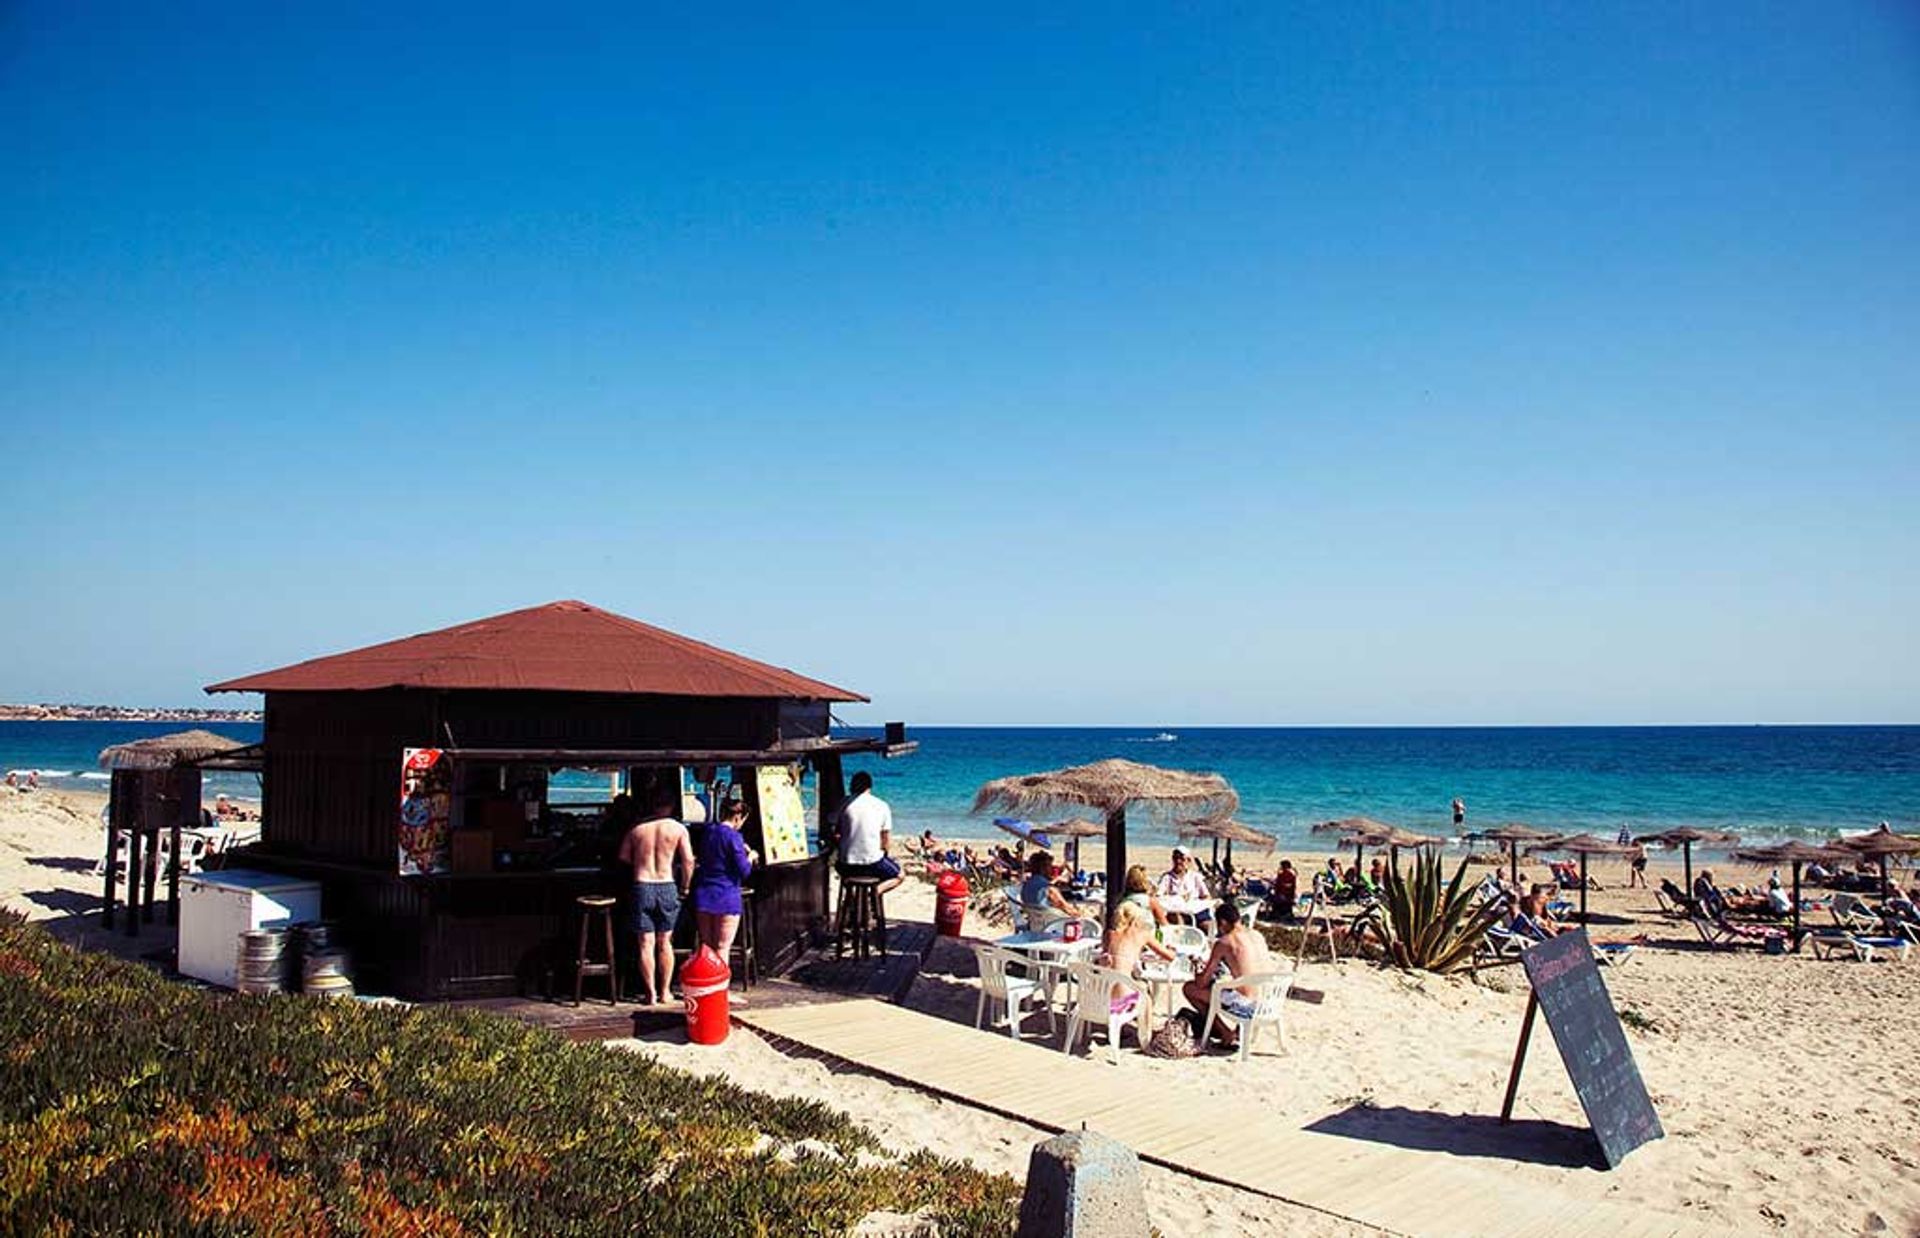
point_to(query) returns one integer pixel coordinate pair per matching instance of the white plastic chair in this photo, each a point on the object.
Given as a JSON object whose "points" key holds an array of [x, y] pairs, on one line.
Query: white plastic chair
{"points": [[1185, 939], [1094, 1008], [1269, 999], [1014, 905], [1249, 910], [1012, 992]]}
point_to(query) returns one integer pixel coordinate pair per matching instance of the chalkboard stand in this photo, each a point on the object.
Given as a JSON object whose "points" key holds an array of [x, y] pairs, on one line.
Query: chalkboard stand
{"points": [[1519, 1057]]}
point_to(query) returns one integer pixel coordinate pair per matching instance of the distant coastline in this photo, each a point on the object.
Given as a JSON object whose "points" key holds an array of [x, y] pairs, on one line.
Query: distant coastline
{"points": [[121, 713]]}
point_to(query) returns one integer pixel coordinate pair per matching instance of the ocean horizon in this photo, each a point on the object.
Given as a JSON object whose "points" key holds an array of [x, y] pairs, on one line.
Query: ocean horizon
{"points": [[1760, 781]]}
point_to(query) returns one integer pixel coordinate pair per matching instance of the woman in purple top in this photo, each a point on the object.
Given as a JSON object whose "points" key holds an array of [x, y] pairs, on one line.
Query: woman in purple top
{"points": [[723, 863]]}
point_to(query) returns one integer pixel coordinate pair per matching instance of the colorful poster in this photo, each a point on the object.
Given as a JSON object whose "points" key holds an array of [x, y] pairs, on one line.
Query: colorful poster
{"points": [[426, 811], [783, 815]]}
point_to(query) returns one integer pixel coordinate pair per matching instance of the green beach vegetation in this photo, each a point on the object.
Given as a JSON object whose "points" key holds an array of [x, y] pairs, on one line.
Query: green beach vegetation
{"points": [[129, 1103]]}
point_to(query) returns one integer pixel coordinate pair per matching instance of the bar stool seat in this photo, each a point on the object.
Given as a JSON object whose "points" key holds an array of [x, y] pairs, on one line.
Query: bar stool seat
{"points": [[596, 907], [743, 943], [862, 918]]}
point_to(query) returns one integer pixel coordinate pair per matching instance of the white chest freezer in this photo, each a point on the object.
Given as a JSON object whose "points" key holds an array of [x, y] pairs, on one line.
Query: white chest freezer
{"points": [[215, 908]]}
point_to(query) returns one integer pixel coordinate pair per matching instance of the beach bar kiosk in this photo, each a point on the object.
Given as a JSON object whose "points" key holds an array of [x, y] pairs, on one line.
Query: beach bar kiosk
{"points": [[453, 792]]}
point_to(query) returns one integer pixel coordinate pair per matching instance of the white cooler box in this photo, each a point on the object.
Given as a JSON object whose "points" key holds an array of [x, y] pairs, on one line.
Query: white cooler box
{"points": [[215, 908]]}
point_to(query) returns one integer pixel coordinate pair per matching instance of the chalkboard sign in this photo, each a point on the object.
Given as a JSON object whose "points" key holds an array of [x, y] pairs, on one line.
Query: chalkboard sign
{"points": [[1568, 988]]}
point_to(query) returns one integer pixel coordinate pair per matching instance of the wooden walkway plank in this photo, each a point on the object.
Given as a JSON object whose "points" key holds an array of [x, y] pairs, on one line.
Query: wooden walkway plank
{"points": [[1400, 1190]]}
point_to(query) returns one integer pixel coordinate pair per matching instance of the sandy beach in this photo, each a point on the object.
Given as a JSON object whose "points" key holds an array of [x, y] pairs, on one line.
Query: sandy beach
{"points": [[1781, 1080]]}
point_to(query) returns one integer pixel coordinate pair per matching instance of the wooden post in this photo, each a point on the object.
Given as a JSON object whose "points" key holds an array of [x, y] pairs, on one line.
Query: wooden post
{"points": [[133, 873], [1519, 1056], [116, 809], [1116, 858], [833, 794], [1583, 887]]}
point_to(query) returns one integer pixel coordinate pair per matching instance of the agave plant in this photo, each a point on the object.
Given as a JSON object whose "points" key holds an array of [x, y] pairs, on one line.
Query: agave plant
{"points": [[1429, 928]]}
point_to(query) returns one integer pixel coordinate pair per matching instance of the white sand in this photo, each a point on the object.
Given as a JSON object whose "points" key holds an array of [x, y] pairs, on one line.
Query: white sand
{"points": [[1785, 1083]]}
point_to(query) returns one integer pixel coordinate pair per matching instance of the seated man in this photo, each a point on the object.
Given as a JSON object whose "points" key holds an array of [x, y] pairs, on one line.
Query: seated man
{"points": [[1778, 903], [866, 835], [1182, 881], [1286, 888], [1707, 896], [1533, 919], [1237, 952]]}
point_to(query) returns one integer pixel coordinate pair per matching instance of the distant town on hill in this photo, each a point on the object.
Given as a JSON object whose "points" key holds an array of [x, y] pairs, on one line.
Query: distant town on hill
{"points": [[121, 713]]}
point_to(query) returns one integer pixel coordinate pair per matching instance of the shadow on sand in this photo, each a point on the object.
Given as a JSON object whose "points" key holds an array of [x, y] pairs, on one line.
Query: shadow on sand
{"points": [[1468, 1134]]}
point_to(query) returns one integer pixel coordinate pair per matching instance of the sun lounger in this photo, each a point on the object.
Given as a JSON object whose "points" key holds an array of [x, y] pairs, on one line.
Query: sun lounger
{"points": [[1612, 953], [1852, 912], [1720, 931]]}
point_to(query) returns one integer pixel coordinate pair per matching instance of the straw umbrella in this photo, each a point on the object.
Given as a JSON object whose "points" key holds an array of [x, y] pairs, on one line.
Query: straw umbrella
{"points": [[1879, 844], [1513, 835], [1684, 837], [1111, 787], [1582, 845], [1362, 832], [167, 751], [1228, 831], [148, 757], [1795, 853], [1394, 840], [1073, 829]]}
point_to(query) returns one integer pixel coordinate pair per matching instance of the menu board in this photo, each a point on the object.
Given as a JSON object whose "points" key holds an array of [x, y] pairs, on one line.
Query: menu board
{"points": [[783, 815], [426, 811], [1587, 1032]]}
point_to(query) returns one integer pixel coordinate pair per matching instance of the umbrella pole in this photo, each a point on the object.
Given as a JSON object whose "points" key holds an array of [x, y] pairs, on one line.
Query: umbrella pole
{"points": [[1513, 854], [1116, 858], [1884, 891], [1686, 860], [1796, 906], [1229, 868], [1216, 853], [1583, 887]]}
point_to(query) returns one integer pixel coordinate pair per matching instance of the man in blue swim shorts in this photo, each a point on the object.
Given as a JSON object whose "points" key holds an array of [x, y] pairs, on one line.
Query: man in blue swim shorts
{"points": [[661, 858]]}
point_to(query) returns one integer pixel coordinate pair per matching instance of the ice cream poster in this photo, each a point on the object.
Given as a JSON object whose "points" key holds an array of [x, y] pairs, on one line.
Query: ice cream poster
{"points": [[426, 811]]}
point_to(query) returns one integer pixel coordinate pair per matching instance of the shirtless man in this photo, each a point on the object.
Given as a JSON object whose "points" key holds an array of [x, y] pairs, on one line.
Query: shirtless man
{"points": [[662, 861], [1237, 952]]}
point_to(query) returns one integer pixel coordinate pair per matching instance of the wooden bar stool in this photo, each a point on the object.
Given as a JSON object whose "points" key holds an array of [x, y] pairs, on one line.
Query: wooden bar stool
{"points": [[595, 907], [862, 917], [743, 943]]}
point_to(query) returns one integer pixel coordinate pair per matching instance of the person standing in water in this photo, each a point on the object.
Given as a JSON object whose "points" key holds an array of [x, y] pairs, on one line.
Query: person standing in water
{"points": [[1459, 812]]}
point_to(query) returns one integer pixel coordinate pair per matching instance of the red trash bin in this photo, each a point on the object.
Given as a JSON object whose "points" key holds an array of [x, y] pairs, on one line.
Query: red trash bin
{"points": [[703, 983], [950, 908]]}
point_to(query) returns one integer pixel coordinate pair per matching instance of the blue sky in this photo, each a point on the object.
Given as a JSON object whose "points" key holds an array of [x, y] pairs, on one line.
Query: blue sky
{"points": [[1244, 364]]}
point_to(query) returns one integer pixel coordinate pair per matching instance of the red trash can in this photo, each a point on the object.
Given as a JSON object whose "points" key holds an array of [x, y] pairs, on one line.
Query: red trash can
{"points": [[703, 983], [950, 908]]}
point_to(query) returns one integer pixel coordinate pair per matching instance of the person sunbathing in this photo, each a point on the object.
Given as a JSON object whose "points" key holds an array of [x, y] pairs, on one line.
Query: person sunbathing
{"points": [[1533, 918]]}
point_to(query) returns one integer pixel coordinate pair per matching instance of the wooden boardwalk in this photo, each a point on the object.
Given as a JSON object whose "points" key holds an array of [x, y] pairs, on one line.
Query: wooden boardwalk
{"points": [[1396, 1189]]}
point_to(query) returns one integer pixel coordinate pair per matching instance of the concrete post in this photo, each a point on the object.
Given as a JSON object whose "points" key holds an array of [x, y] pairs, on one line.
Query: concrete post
{"points": [[1083, 1185]]}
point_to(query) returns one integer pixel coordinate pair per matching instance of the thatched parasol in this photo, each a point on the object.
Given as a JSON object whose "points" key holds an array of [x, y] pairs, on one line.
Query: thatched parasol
{"points": [[1111, 786], [1796, 854], [1073, 829], [1582, 845], [1228, 831], [1683, 837], [1513, 834], [1879, 844], [167, 751], [1362, 832], [1393, 840]]}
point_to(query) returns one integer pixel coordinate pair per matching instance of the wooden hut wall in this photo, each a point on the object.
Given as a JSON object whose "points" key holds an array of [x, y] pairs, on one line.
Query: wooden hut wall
{"points": [[582, 720], [332, 782]]}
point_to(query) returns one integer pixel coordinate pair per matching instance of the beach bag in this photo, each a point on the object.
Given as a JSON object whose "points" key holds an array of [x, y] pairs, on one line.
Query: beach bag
{"points": [[1176, 1039]]}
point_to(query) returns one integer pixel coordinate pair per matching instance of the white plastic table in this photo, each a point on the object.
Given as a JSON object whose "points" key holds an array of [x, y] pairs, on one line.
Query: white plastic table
{"points": [[1188, 907]]}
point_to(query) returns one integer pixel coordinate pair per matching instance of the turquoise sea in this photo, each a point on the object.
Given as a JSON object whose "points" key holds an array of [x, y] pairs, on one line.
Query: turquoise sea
{"points": [[1762, 782]]}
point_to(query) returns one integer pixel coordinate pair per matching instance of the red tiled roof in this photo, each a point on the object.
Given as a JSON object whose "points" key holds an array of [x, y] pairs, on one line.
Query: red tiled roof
{"points": [[559, 647]]}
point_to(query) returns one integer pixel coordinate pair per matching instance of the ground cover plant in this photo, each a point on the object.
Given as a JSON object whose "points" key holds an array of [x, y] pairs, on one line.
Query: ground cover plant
{"points": [[130, 1104]]}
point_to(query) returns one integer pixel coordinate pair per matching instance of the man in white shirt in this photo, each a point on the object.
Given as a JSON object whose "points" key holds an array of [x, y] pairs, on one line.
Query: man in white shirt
{"points": [[866, 832], [1183, 881]]}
